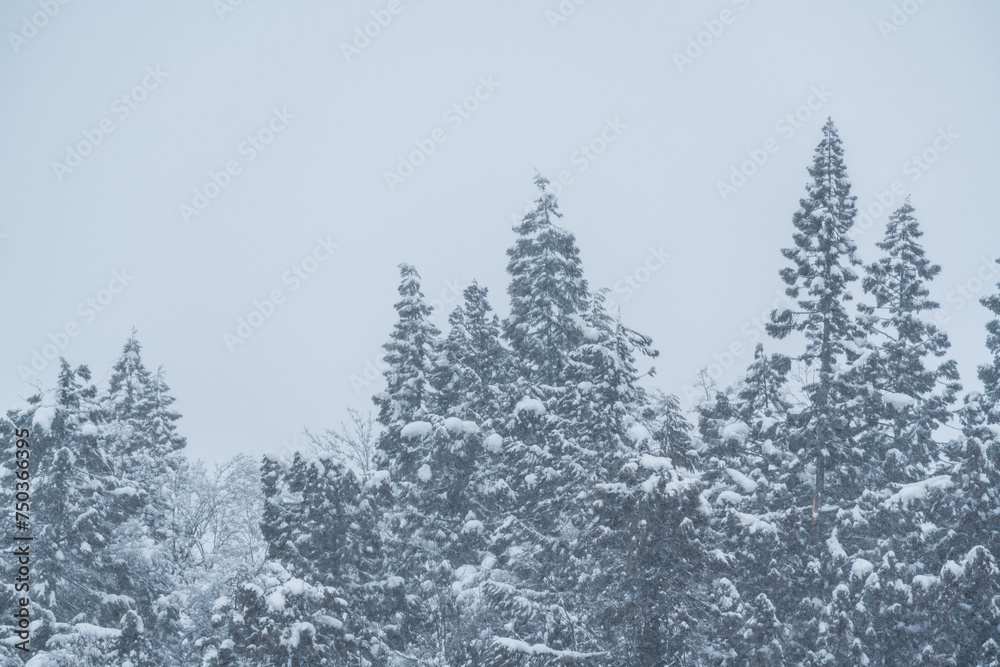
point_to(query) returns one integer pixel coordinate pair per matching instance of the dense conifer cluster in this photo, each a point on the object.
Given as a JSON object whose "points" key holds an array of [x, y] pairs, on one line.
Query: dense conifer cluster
{"points": [[526, 499]]}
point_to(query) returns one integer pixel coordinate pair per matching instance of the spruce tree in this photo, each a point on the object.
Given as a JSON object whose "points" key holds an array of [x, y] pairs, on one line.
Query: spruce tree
{"points": [[79, 504], [763, 394], [911, 398], [471, 363], [548, 294], [311, 602], [140, 428], [823, 260], [654, 577], [990, 373], [410, 355]]}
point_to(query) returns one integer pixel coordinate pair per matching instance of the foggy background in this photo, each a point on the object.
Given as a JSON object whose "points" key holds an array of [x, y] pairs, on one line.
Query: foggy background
{"points": [[680, 91]]}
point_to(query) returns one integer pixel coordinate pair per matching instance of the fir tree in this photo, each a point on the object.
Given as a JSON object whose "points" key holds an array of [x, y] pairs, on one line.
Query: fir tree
{"points": [[764, 635], [822, 270], [410, 355], [140, 428], [311, 602], [79, 505], [990, 373], [763, 394], [911, 400], [548, 294], [472, 361]]}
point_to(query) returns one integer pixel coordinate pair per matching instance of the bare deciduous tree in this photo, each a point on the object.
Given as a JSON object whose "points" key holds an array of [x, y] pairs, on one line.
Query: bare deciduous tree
{"points": [[355, 444]]}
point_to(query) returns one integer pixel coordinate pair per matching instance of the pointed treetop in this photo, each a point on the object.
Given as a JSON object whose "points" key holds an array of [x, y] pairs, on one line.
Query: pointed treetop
{"points": [[129, 382], [548, 292], [408, 354]]}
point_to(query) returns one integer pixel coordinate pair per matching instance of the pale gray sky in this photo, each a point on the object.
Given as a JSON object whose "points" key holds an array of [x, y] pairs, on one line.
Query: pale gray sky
{"points": [[183, 86]]}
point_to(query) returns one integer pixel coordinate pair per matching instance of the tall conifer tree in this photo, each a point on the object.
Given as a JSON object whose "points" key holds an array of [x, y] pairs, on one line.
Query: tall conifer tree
{"points": [[823, 260]]}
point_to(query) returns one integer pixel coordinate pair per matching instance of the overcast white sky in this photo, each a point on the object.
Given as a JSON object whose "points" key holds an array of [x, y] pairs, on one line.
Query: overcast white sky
{"points": [[677, 128]]}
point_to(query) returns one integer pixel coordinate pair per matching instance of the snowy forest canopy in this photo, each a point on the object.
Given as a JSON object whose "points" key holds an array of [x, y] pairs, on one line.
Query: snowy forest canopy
{"points": [[521, 498]]}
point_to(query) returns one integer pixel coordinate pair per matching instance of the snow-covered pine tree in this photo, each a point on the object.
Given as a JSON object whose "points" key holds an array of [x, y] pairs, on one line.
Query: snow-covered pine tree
{"points": [[602, 398], [990, 373], [963, 610], [911, 397], [838, 642], [472, 362], [763, 395], [409, 355], [745, 469], [436, 530], [309, 604], [970, 511], [655, 572], [448, 377], [128, 395], [738, 429], [558, 552], [822, 259], [599, 421], [763, 635], [435, 464], [669, 429], [885, 621], [548, 294], [539, 461], [79, 582], [140, 427]]}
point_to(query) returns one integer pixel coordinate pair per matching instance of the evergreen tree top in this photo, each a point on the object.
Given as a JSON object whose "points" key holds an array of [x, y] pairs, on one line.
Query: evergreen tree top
{"points": [[897, 279], [822, 257], [548, 293], [409, 354], [128, 386]]}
